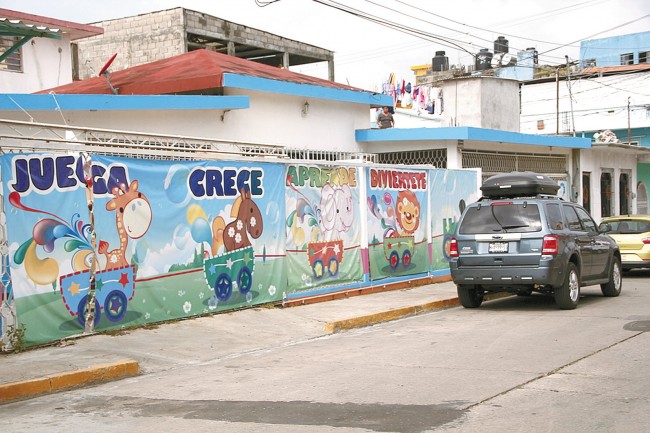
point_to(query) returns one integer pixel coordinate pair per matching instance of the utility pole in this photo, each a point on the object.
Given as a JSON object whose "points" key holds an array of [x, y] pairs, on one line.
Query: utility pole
{"points": [[629, 128], [557, 101]]}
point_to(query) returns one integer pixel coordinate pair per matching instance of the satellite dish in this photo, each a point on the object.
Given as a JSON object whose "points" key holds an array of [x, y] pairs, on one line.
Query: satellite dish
{"points": [[496, 60], [107, 75], [508, 60], [107, 65]]}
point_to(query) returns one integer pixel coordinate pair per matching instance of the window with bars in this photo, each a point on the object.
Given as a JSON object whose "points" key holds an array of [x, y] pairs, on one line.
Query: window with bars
{"points": [[14, 62], [434, 157], [627, 59], [644, 57]]}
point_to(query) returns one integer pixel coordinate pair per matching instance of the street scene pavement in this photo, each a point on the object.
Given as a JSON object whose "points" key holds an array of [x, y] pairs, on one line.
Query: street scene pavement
{"points": [[104, 357], [516, 364]]}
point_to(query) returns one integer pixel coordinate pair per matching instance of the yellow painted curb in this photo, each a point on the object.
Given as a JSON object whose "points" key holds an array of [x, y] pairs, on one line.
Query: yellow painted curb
{"points": [[386, 316], [67, 380], [398, 313]]}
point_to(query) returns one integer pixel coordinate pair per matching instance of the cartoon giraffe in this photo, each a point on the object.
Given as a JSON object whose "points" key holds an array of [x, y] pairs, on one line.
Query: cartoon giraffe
{"points": [[132, 219]]}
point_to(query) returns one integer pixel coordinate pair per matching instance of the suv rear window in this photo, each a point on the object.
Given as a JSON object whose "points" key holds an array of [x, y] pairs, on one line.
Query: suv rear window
{"points": [[501, 217]]}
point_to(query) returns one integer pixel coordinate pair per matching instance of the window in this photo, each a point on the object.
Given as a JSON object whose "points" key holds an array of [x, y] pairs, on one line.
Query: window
{"points": [[554, 216], [586, 190], [606, 195], [590, 63], [501, 218], [14, 62], [627, 59], [587, 223], [624, 194], [644, 57], [572, 220]]}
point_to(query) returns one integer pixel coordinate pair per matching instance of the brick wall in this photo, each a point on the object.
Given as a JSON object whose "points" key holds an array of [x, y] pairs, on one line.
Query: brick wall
{"points": [[137, 40]]}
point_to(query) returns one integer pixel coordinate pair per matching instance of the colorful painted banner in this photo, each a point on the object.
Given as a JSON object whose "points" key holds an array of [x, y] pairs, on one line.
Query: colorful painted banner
{"points": [[322, 226], [173, 239], [397, 215], [449, 191]]}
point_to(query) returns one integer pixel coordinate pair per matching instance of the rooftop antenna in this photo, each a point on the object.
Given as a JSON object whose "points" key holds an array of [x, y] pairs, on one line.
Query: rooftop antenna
{"points": [[107, 75]]}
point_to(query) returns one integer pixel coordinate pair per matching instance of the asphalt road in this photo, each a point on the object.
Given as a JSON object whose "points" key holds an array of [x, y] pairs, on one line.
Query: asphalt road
{"points": [[514, 365]]}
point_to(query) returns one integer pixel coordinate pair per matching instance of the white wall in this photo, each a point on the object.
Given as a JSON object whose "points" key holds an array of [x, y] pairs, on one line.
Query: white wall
{"points": [[481, 102], [271, 119], [46, 64], [598, 103], [599, 160]]}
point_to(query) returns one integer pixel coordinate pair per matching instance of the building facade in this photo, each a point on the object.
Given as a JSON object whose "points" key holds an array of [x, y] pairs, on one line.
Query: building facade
{"points": [[162, 34], [43, 55]]}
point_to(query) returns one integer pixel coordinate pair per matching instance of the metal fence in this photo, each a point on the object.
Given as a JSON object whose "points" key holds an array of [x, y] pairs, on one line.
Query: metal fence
{"points": [[433, 157], [502, 162]]}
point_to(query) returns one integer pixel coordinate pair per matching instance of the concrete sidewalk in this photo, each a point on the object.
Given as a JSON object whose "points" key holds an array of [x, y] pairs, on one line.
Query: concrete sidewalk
{"points": [[102, 357]]}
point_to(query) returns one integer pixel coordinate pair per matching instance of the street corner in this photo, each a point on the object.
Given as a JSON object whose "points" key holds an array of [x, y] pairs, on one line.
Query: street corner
{"points": [[67, 380]]}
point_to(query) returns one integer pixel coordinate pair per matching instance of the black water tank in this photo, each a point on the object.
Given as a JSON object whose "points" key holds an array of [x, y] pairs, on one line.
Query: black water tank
{"points": [[535, 55], [501, 45], [483, 60], [440, 62]]}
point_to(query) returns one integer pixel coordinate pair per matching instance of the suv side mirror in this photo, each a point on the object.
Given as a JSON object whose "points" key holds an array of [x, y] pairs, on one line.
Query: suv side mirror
{"points": [[604, 228]]}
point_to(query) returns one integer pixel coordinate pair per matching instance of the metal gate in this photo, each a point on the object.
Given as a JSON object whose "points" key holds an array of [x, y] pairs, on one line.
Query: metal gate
{"points": [[491, 163]]}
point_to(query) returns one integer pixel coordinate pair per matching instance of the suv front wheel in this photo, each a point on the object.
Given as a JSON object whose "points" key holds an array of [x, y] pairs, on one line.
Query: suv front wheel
{"points": [[470, 296], [568, 294]]}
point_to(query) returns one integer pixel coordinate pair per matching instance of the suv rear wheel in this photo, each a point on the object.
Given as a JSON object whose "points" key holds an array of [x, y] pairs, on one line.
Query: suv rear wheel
{"points": [[568, 294], [613, 286], [470, 296]]}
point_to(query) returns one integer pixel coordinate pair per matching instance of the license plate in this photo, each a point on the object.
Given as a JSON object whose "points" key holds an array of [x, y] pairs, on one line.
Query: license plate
{"points": [[498, 247]]}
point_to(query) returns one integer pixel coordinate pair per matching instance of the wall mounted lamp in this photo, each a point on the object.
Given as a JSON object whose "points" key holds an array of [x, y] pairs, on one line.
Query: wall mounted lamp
{"points": [[305, 109]]}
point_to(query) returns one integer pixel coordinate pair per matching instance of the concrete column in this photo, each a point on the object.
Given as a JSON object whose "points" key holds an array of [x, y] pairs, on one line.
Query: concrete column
{"points": [[330, 70], [285, 60], [231, 48]]}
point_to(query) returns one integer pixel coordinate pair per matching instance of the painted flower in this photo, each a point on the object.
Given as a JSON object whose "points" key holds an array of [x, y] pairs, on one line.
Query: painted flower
{"points": [[240, 225], [201, 295], [231, 232], [147, 316], [272, 290], [238, 237], [253, 221], [212, 303], [249, 297], [187, 307]]}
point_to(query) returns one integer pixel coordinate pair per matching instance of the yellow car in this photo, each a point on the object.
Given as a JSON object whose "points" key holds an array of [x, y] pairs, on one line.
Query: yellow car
{"points": [[632, 234]]}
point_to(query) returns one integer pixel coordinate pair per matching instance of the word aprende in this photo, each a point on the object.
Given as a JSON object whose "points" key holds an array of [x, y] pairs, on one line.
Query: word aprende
{"points": [[44, 173], [394, 179], [227, 182], [317, 177]]}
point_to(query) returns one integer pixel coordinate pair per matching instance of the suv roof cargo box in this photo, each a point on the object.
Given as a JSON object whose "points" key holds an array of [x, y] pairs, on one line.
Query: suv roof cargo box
{"points": [[517, 184]]}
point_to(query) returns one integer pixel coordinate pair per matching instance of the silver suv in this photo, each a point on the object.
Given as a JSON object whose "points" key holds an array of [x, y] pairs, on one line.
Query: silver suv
{"points": [[520, 237]]}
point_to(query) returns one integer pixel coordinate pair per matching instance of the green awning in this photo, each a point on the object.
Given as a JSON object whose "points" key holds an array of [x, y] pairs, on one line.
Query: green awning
{"points": [[25, 32]]}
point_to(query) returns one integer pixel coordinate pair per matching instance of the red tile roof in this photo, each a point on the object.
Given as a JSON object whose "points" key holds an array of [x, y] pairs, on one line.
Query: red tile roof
{"points": [[75, 30], [623, 68], [195, 71]]}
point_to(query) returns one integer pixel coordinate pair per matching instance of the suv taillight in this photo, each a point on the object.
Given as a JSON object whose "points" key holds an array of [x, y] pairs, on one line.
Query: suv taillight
{"points": [[453, 248], [645, 241], [550, 244]]}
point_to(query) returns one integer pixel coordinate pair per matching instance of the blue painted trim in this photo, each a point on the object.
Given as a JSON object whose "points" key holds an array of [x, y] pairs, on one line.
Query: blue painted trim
{"points": [[469, 134], [73, 102], [306, 90]]}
